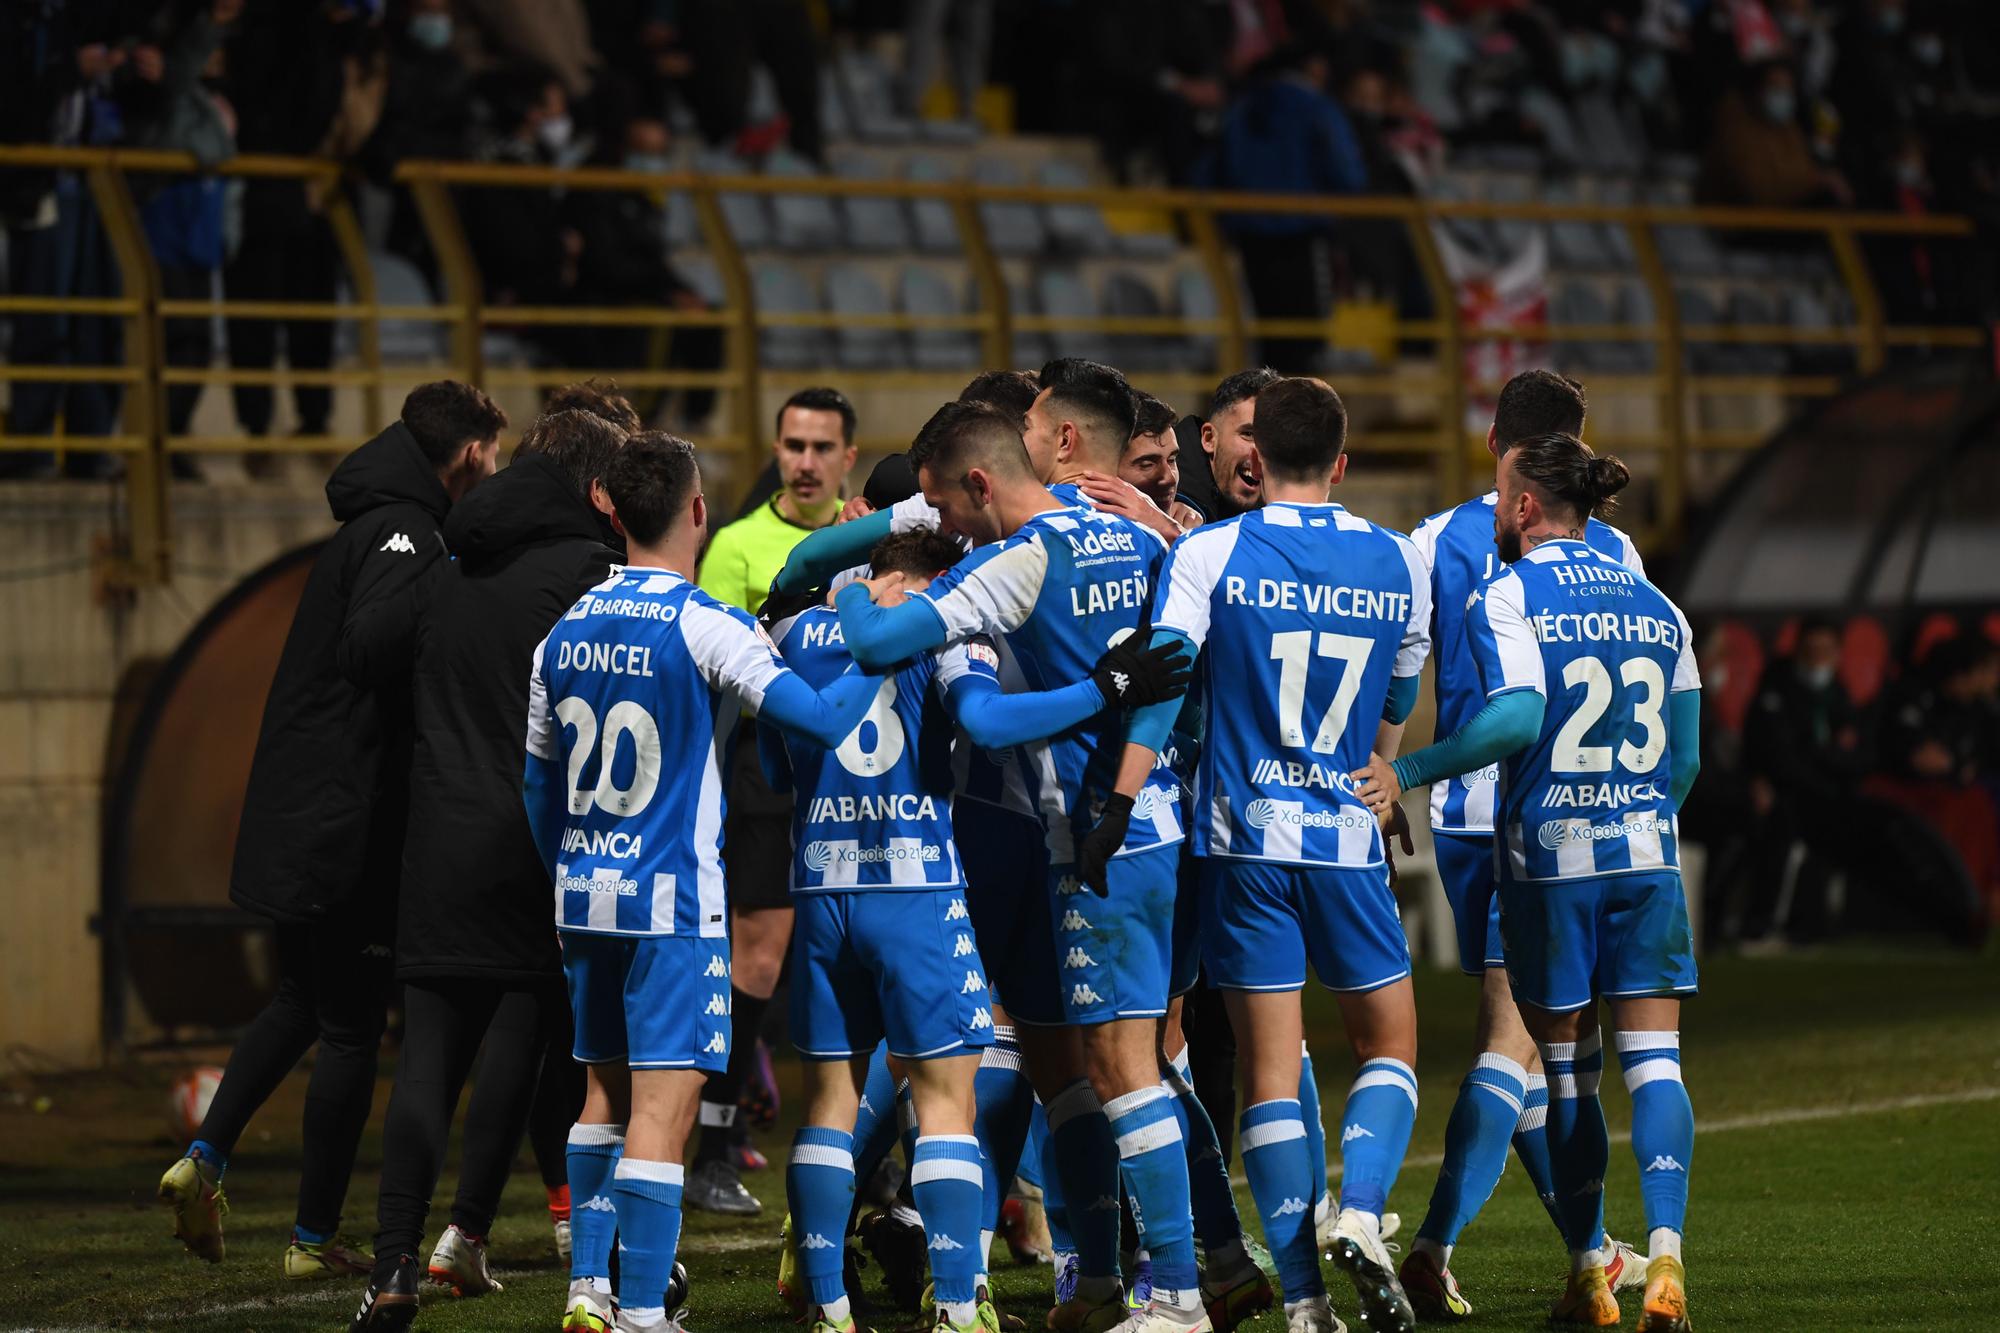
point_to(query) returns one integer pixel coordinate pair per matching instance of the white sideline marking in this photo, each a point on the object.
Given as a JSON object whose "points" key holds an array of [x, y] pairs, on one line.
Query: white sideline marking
{"points": [[725, 1244]]}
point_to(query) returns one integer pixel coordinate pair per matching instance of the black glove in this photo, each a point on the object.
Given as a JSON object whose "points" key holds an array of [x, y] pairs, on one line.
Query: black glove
{"points": [[1133, 674], [1094, 852]]}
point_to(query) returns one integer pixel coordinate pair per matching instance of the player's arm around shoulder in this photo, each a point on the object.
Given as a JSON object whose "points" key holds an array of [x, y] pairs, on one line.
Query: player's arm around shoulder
{"points": [[735, 656]]}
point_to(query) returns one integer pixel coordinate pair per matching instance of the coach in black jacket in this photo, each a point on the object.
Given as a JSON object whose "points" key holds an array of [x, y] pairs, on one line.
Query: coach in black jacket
{"points": [[322, 829], [476, 946]]}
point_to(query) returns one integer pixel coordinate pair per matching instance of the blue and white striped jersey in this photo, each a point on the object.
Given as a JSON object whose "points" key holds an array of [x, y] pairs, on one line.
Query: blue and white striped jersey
{"points": [[1457, 547], [988, 777], [1302, 613], [1590, 798], [635, 691], [1062, 590], [875, 813]]}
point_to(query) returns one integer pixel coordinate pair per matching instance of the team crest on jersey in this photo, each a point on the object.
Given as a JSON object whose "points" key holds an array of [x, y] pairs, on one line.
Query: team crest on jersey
{"points": [[983, 653], [817, 856]]}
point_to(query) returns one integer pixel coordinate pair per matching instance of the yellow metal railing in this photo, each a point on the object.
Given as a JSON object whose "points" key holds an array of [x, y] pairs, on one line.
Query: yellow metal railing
{"points": [[1448, 442]]}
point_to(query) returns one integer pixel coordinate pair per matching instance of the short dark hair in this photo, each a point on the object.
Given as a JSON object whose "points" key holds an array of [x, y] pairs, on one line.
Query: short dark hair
{"points": [[820, 399], [1091, 393], [598, 397], [444, 414], [1009, 390], [580, 443], [649, 482], [1150, 416], [1243, 384], [921, 551], [1538, 402], [1565, 470], [962, 436], [1301, 427]]}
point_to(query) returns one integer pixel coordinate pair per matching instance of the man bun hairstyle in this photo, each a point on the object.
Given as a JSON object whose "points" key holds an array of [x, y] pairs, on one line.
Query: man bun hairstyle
{"points": [[650, 481], [446, 415], [580, 443], [1301, 428], [1567, 472], [963, 436], [820, 399], [1150, 416], [1243, 385], [920, 553], [1091, 394], [600, 398], [1538, 402], [1012, 391]]}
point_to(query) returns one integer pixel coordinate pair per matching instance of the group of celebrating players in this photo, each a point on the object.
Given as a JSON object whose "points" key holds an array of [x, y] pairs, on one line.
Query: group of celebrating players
{"points": [[1056, 749]]}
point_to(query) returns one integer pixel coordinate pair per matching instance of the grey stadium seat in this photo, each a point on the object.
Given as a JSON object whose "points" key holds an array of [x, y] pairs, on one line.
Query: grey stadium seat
{"points": [[800, 221], [746, 216], [1195, 298], [1064, 293], [937, 228], [783, 290], [871, 226], [852, 290], [1129, 294], [922, 292], [1011, 229], [399, 282], [1029, 349], [1077, 229]]}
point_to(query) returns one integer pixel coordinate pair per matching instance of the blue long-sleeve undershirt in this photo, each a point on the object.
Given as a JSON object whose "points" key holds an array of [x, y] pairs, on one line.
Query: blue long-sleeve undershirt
{"points": [[1401, 699], [1153, 724], [826, 552], [1507, 723], [543, 792], [879, 636], [1684, 740], [825, 716], [994, 719]]}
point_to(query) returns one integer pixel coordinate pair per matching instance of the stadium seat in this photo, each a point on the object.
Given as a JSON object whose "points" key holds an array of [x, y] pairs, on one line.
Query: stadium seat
{"points": [[936, 227], [698, 271], [1576, 302], [1742, 654], [399, 282], [800, 221], [921, 291], [1195, 299], [1697, 311], [1012, 229], [1805, 309], [852, 290], [1864, 658], [746, 215], [783, 290], [1127, 294], [1575, 245], [1935, 629], [1750, 307], [866, 84], [871, 226], [1030, 349], [1077, 229], [1689, 250], [1063, 293]]}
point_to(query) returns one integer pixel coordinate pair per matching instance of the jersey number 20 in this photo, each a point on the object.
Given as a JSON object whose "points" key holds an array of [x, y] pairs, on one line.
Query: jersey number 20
{"points": [[622, 719]]}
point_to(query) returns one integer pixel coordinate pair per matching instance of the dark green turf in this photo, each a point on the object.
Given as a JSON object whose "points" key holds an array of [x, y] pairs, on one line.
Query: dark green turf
{"points": [[1854, 1219]]}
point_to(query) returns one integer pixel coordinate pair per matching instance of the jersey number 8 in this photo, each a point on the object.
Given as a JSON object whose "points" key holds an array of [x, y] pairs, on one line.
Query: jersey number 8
{"points": [[873, 761]]}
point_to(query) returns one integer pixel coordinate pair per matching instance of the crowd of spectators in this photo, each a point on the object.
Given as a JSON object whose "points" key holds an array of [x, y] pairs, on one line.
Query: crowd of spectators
{"points": [[1884, 103]]}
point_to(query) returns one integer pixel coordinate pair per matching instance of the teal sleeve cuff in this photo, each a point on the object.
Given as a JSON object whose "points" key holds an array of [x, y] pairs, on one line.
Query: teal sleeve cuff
{"points": [[1507, 723], [1153, 724], [1684, 741], [1402, 698], [822, 554]]}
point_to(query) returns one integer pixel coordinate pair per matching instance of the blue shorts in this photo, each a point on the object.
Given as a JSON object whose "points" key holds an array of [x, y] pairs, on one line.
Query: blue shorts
{"points": [[1006, 860], [895, 964], [1572, 941], [1465, 864], [649, 1001], [1261, 921], [1116, 952]]}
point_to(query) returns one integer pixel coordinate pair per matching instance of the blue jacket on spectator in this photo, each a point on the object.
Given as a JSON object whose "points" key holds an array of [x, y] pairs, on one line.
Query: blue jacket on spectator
{"points": [[1285, 136]]}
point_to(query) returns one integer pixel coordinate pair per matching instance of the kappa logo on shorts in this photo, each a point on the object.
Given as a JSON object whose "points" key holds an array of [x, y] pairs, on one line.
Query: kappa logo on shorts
{"points": [[1353, 1132], [716, 1005], [974, 983], [1083, 994], [400, 544], [981, 1019], [963, 947], [717, 1045], [1073, 920], [815, 1241], [718, 966], [1067, 885], [957, 912], [1076, 957]]}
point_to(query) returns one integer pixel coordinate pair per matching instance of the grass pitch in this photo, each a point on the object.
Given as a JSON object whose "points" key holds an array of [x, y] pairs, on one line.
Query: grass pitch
{"points": [[1846, 1176]]}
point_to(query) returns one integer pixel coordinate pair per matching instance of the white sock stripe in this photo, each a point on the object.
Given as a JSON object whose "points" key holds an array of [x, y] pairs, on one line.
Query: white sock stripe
{"points": [[1003, 1034], [1388, 1065], [1126, 1103], [1652, 1071], [997, 1056], [822, 1154], [1146, 1138], [1271, 1131], [1175, 1083], [1561, 1086], [1494, 1060], [946, 1168], [596, 1136], [1075, 1100], [660, 1173], [1532, 1119], [964, 1140], [1181, 1063], [1537, 1081], [1305, 1051], [1648, 1041], [1498, 1094], [1385, 1078], [1558, 1052]]}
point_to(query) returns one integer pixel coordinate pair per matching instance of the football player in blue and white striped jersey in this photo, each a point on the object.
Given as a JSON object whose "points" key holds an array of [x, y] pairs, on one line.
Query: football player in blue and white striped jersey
{"points": [[1592, 714]]}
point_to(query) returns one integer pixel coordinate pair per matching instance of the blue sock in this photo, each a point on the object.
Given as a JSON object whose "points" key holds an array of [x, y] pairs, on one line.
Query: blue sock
{"points": [[947, 1179], [1029, 1170], [1003, 1104], [1277, 1157], [1579, 1148], [1038, 1167], [211, 1154], [1310, 1114], [1662, 1124], [1375, 1133], [649, 1231], [1086, 1157], [593, 1155], [1483, 1120], [1531, 1144], [307, 1236], [1153, 1165], [1215, 1219], [819, 1185], [875, 1121]]}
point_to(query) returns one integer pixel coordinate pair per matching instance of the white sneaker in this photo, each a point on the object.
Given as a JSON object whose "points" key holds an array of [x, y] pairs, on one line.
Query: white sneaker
{"points": [[1159, 1317], [1358, 1249], [1313, 1315], [458, 1264], [1325, 1215], [1627, 1269], [562, 1241], [588, 1310]]}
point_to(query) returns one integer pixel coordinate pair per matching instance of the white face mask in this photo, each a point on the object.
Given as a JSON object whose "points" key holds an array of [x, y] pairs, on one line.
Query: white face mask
{"points": [[555, 133], [1816, 677], [431, 31]]}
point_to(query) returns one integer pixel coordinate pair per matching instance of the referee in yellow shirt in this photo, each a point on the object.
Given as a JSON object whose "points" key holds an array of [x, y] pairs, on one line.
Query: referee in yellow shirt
{"points": [[814, 452]]}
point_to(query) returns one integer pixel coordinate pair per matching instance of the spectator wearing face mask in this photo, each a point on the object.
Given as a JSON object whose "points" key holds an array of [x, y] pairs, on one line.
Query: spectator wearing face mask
{"points": [[1757, 151], [526, 254], [427, 114]]}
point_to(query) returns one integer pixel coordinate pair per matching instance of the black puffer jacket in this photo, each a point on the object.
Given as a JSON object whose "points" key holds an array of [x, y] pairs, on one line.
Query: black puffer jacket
{"points": [[476, 900], [323, 816]]}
